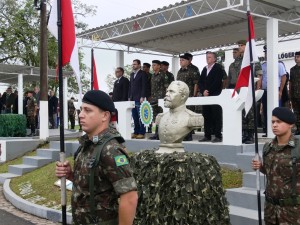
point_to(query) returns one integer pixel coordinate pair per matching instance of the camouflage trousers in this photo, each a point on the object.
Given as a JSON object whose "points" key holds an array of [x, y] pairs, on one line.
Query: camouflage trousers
{"points": [[248, 120], [296, 108], [281, 215], [31, 122], [156, 110], [72, 120]]}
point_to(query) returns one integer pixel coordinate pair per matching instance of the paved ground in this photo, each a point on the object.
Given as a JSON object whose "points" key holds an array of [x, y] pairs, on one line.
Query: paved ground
{"points": [[9, 215]]}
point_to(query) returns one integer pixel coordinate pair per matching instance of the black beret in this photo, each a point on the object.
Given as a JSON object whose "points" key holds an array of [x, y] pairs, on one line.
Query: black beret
{"points": [[165, 63], [156, 61], [100, 99], [189, 55], [297, 53], [284, 114], [184, 57], [147, 64], [242, 42]]}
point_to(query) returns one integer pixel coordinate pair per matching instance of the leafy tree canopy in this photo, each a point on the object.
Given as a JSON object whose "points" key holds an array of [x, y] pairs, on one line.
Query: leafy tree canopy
{"points": [[20, 35]]}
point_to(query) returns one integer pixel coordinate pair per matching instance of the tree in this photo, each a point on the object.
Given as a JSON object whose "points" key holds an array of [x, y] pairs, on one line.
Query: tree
{"points": [[110, 79], [20, 32]]}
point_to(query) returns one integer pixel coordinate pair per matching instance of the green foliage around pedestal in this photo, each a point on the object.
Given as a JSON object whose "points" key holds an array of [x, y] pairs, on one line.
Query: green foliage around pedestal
{"points": [[12, 125], [179, 188]]}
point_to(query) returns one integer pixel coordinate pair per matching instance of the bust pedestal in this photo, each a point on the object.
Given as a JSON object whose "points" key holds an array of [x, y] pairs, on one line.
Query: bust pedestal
{"points": [[179, 188]]}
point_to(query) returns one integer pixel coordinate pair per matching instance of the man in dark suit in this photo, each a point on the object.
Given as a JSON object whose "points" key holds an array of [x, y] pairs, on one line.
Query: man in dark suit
{"points": [[121, 86], [210, 84], [52, 107], [137, 93]]}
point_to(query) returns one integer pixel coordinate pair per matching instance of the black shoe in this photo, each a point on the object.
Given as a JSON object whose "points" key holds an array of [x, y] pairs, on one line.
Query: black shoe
{"points": [[264, 135], [188, 138], [205, 139], [249, 141], [216, 140], [154, 137]]}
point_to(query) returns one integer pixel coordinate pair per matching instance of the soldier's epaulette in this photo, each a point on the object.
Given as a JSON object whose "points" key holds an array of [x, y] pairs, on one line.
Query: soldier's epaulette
{"points": [[195, 120], [267, 147], [158, 117]]}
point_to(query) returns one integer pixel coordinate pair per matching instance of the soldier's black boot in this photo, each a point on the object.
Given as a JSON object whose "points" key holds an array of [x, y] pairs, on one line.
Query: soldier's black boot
{"points": [[155, 136], [188, 137], [250, 137]]}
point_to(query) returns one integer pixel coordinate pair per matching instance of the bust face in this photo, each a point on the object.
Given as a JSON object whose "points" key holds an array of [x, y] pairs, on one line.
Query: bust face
{"points": [[173, 97]]}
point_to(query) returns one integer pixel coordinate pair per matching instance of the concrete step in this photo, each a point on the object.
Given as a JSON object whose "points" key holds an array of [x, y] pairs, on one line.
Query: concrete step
{"points": [[244, 161], [249, 180], [4, 176], [48, 153], [37, 161], [251, 148], [20, 169], [70, 147], [243, 216], [244, 197]]}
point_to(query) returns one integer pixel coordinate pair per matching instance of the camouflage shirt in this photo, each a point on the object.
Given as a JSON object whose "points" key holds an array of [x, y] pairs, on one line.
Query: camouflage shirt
{"points": [[233, 71], [277, 164], [31, 104], [113, 177], [170, 77], [190, 76], [159, 84], [237, 68], [295, 81], [71, 107]]}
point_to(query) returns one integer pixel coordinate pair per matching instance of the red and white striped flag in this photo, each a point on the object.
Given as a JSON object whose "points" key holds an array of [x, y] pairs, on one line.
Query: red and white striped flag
{"points": [[244, 79], [69, 43]]}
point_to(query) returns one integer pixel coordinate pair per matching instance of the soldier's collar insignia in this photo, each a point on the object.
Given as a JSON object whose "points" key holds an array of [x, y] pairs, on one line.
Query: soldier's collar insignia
{"points": [[121, 160], [291, 143], [95, 139]]}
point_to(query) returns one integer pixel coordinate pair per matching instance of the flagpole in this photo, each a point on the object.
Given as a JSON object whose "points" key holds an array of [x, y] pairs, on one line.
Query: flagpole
{"points": [[255, 116], [61, 108], [92, 68]]}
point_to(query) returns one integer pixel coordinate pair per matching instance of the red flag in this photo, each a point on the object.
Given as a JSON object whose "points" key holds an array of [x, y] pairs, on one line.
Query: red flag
{"points": [[95, 79], [69, 43], [244, 79]]}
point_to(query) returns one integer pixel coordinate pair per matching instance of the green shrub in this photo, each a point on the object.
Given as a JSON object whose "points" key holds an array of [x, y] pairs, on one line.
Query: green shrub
{"points": [[12, 125]]}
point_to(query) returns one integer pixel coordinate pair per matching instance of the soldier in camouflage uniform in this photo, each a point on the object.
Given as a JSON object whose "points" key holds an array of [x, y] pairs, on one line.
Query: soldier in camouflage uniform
{"points": [[31, 112], [190, 75], [234, 69], [165, 68], [71, 112], [281, 165], [104, 190], [159, 84], [196, 108], [248, 120], [146, 69], [294, 85]]}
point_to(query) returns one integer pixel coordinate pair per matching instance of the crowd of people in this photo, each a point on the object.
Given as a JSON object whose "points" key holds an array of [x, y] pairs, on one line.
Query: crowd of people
{"points": [[31, 107], [208, 82]]}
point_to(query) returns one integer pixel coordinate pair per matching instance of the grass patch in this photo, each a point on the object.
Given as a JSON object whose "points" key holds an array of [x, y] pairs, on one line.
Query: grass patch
{"points": [[38, 187], [231, 178]]}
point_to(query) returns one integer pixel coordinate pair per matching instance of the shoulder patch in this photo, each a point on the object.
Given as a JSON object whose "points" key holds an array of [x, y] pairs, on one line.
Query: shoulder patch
{"points": [[121, 160]]}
